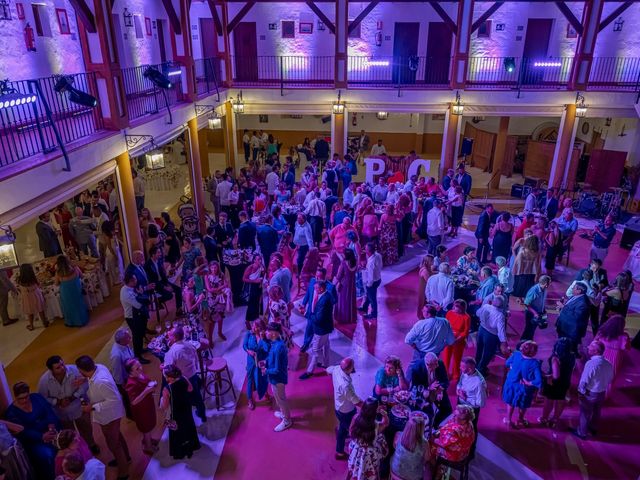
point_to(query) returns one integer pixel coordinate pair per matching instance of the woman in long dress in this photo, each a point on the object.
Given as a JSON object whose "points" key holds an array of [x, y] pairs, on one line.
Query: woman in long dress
{"points": [[502, 237], [253, 278], [257, 349], [219, 295], [345, 283], [140, 390], [114, 265], [31, 296], [522, 382], [426, 268], [176, 401], [388, 236], [74, 308]]}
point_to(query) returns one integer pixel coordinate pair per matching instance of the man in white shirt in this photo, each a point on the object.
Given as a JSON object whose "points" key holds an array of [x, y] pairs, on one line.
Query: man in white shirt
{"points": [[74, 468], [348, 195], [246, 143], [345, 400], [120, 353], [138, 189], [592, 390], [379, 191], [435, 226], [371, 277], [531, 202], [392, 194], [222, 192], [378, 149], [302, 239], [492, 333], [105, 405], [255, 145], [440, 289], [130, 300], [316, 211], [472, 387], [185, 356], [272, 180]]}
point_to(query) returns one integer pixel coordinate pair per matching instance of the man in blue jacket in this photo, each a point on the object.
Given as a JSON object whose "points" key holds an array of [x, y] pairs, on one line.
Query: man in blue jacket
{"points": [[276, 369], [246, 232], [267, 239], [321, 320], [487, 218], [305, 305], [574, 316]]}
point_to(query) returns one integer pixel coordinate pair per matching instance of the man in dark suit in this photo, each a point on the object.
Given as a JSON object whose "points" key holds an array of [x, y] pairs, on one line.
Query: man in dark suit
{"points": [[321, 150], [267, 239], [599, 273], [487, 218], [464, 179], [321, 317], [154, 268], [431, 374], [210, 245], [574, 316], [47, 236], [246, 232], [305, 305], [223, 234], [551, 205], [136, 268]]}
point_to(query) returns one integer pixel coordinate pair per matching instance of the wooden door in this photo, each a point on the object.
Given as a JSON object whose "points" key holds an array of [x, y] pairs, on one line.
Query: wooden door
{"points": [[245, 49], [161, 44], [605, 169], [509, 155], [439, 42], [484, 144], [208, 38], [536, 45], [405, 46]]}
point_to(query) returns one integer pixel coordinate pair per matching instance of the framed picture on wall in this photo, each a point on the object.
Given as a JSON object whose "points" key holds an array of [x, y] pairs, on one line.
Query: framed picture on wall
{"points": [[147, 24], [288, 29], [571, 32], [20, 11], [63, 21], [306, 27], [263, 118]]}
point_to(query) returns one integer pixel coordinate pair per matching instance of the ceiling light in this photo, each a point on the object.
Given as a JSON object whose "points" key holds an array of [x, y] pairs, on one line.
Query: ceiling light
{"points": [[382, 115], [338, 106], [238, 104], [458, 107]]}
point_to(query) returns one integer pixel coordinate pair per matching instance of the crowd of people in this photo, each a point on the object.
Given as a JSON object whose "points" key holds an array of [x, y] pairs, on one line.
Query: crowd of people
{"points": [[317, 243]]}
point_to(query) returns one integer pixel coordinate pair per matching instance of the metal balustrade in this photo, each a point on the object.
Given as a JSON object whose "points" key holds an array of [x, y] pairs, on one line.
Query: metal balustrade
{"points": [[143, 97], [283, 71], [26, 130], [615, 73], [407, 72], [519, 73], [208, 75]]}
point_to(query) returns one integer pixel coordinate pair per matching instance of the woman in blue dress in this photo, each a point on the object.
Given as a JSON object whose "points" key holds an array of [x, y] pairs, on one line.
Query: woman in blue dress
{"points": [[257, 350], [522, 382], [74, 308]]}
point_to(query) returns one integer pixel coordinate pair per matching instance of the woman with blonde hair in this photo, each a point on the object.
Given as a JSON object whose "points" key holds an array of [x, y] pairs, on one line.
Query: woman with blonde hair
{"points": [[526, 266], [425, 271], [523, 381], [412, 450], [219, 295]]}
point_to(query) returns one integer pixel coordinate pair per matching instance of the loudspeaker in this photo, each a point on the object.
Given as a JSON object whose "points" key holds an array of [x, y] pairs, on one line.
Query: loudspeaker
{"points": [[516, 190]]}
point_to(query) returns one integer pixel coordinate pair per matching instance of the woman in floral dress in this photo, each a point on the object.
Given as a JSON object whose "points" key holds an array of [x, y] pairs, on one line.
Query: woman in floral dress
{"points": [[278, 312], [453, 440], [219, 295], [388, 236], [368, 446]]}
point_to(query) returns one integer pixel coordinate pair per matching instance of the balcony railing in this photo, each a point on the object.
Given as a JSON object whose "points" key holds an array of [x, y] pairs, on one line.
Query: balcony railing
{"points": [[407, 72], [208, 75], [281, 71], [143, 97], [609, 73], [518, 72], [26, 130]]}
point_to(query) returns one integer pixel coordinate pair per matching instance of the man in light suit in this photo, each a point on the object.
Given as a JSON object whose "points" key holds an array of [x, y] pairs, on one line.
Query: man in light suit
{"points": [[574, 316], [305, 305], [321, 318]]}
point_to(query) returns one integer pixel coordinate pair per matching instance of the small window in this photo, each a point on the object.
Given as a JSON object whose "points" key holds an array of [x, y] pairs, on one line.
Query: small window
{"points": [[356, 31], [484, 30], [41, 20], [138, 24], [288, 29]]}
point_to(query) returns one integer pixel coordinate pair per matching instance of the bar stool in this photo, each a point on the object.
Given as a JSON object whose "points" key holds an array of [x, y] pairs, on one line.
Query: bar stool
{"points": [[462, 466], [221, 385]]}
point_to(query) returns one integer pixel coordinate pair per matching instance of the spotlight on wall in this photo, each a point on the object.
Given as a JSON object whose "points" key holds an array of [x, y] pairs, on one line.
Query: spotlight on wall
{"points": [[457, 108], [581, 108], [65, 84], [238, 104], [8, 257], [338, 106], [382, 115], [509, 64], [157, 78], [10, 97]]}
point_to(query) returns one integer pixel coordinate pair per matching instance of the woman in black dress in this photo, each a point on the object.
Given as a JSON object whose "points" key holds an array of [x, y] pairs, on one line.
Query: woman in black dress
{"points": [[253, 278], [183, 439], [502, 237], [558, 381]]}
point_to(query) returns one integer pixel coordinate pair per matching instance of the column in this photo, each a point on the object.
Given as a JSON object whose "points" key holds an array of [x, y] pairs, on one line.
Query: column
{"points": [[342, 43], [229, 135], [203, 142], [339, 133], [564, 147], [195, 172], [586, 43], [102, 58], [450, 140], [460, 62], [128, 211], [421, 120], [226, 55], [183, 53], [498, 154]]}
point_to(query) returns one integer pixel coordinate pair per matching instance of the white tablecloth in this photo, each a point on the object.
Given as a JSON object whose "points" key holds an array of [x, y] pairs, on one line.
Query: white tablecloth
{"points": [[164, 179]]}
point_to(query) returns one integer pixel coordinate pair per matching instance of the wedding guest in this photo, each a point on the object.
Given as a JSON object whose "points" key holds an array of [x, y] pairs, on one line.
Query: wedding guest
{"points": [[368, 446], [31, 297], [345, 401], [69, 279], [74, 467], [523, 381], [257, 349], [460, 322], [372, 280], [432, 334], [68, 442], [47, 236], [557, 382], [424, 272], [345, 284], [412, 451], [276, 369]]}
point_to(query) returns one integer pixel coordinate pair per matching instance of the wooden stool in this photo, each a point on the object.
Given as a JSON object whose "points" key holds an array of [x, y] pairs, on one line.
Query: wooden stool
{"points": [[461, 466], [216, 367]]}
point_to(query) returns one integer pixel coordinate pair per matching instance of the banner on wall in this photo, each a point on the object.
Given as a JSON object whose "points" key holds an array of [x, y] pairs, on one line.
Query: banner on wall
{"points": [[377, 166]]}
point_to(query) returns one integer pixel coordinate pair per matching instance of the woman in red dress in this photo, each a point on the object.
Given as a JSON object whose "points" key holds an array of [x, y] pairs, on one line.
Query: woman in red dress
{"points": [[140, 390]]}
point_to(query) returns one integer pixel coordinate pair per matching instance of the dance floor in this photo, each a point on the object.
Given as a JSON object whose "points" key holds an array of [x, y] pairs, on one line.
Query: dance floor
{"points": [[240, 444]]}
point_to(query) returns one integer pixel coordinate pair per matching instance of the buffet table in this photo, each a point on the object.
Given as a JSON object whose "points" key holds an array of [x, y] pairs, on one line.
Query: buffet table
{"points": [[163, 179]]}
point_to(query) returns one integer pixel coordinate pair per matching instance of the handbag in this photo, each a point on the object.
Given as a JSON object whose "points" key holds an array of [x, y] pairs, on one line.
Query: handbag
{"points": [[169, 422]]}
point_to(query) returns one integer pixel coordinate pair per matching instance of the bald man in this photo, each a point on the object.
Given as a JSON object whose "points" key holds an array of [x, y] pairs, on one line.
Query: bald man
{"points": [[345, 399], [136, 268]]}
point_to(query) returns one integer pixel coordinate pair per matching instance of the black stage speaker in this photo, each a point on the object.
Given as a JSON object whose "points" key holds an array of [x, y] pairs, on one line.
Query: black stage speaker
{"points": [[631, 233], [516, 190]]}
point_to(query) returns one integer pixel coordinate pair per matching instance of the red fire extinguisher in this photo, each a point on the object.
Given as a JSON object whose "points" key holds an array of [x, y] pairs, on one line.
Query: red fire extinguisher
{"points": [[29, 38]]}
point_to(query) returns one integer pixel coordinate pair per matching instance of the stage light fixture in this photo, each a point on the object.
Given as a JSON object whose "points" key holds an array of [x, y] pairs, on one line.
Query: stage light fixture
{"points": [[65, 84], [509, 64], [10, 97], [157, 78], [457, 108]]}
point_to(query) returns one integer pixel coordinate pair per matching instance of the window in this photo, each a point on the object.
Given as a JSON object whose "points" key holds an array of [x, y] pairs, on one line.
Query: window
{"points": [[138, 24], [63, 21], [288, 29], [41, 20], [356, 31], [484, 30]]}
